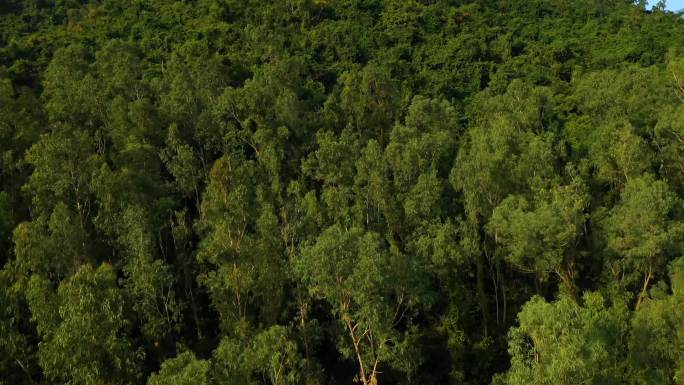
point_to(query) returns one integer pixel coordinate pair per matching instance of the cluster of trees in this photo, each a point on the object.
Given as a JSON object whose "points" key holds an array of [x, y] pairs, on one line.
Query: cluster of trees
{"points": [[328, 192]]}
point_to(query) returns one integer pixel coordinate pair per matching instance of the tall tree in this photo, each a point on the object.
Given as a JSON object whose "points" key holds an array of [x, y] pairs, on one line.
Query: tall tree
{"points": [[85, 341], [643, 230]]}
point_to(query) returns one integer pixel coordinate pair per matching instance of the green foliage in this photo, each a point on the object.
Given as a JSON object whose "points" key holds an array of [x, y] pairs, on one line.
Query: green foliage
{"points": [[63, 162], [566, 343], [149, 282], [84, 341], [269, 355], [642, 231], [322, 192], [369, 288], [185, 369], [657, 337], [54, 246], [16, 349], [541, 235]]}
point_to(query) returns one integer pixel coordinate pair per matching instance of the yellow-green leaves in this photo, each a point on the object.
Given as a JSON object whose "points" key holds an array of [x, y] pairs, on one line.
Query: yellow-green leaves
{"points": [[643, 232], [567, 343], [540, 235], [184, 369], [657, 336], [83, 327]]}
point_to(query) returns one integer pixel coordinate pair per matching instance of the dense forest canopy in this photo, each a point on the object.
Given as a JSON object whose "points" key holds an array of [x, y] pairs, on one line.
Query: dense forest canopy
{"points": [[332, 192]]}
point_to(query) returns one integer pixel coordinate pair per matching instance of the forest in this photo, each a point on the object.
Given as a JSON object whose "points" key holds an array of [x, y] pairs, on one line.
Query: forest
{"points": [[322, 192]]}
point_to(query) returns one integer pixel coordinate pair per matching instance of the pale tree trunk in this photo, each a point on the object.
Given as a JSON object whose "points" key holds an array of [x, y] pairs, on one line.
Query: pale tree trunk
{"points": [[366, 378], [647, 279]]}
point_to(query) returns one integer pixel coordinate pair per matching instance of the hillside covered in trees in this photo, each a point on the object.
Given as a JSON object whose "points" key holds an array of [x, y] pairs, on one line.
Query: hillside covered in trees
{"points": [[321, 192]]}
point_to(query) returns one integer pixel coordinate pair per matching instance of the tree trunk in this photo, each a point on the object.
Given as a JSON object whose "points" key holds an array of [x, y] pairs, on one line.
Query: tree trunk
{"points": [[647, 278], [356, 341], [481, 295]]}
